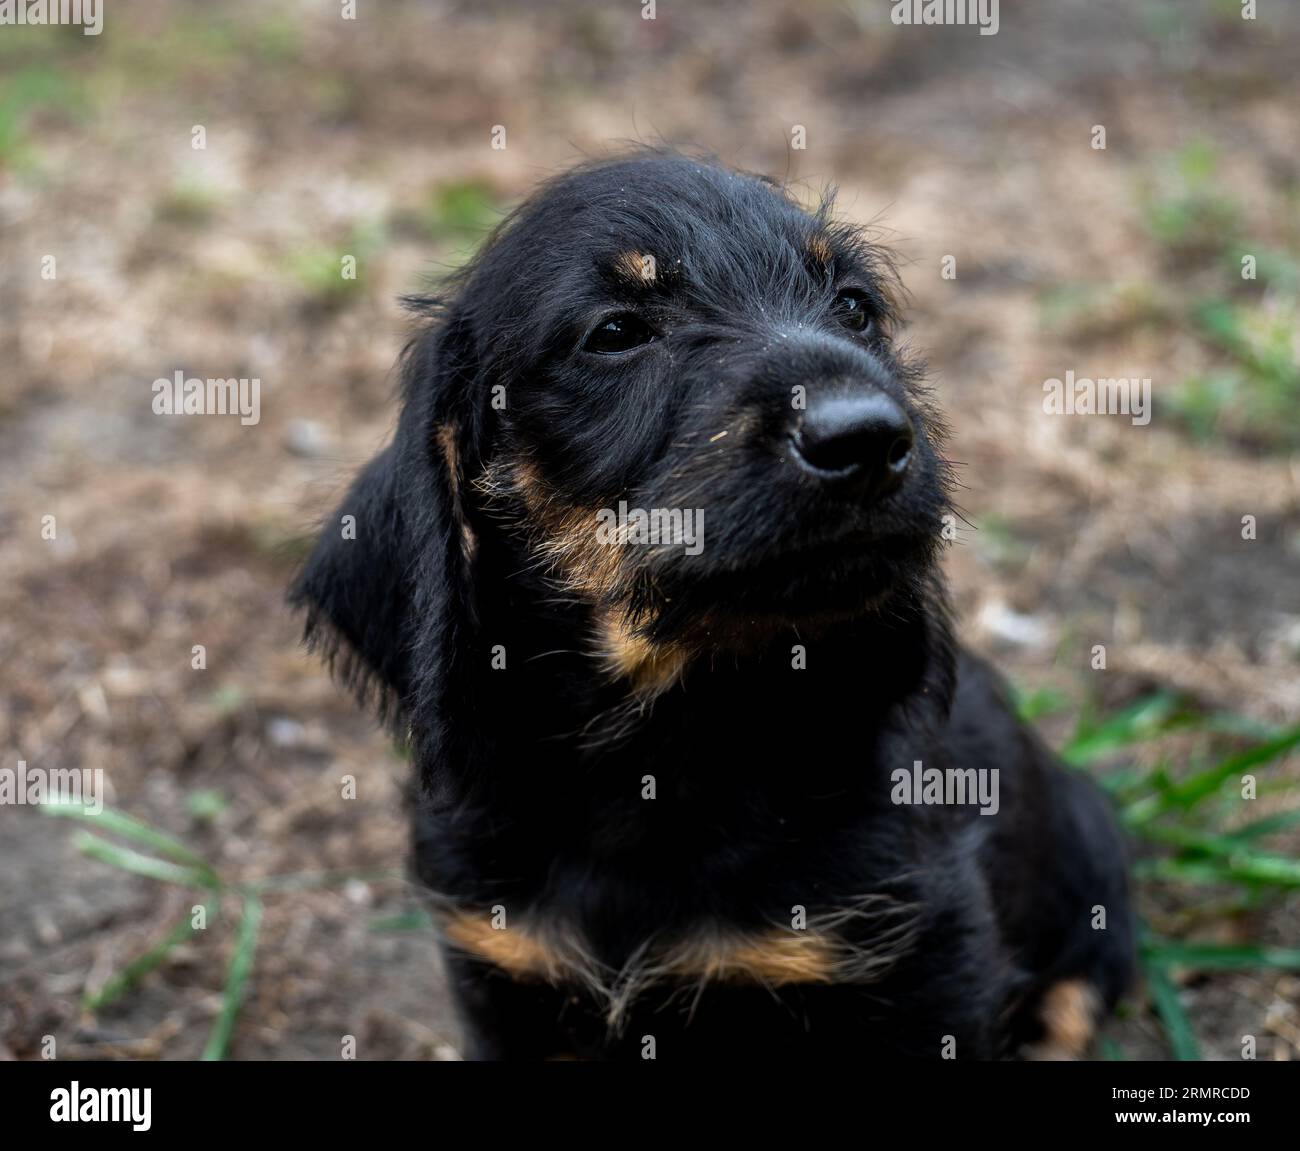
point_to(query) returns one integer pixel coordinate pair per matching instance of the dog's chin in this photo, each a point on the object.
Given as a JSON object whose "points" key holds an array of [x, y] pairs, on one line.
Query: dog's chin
{"points": [[801, 586]]}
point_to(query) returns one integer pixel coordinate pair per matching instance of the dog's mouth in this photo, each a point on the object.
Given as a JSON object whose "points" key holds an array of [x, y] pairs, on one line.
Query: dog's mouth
{"points": [[840, 577]]}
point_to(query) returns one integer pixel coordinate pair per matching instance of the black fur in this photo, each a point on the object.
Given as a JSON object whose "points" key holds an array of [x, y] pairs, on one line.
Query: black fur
{"points": [[772, 783]]}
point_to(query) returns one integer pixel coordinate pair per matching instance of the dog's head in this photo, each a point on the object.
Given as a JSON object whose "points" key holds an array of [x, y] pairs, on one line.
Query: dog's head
{"points": [[678, 394]]}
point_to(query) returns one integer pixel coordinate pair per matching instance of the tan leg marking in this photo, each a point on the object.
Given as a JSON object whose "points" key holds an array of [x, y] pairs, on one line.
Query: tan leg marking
{"points": [[1069, 1013]]}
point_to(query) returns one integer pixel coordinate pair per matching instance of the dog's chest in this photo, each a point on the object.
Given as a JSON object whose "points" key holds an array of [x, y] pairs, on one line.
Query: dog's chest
{"points": [[617, 964]]}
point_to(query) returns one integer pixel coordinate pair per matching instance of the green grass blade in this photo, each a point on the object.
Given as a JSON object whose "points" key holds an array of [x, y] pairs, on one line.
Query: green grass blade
{"points": [[1269, 825], [139, 967], [1197, 787], [1236, 850], [1178, 1028], [1239, 726], [1181, 871], [1143, 720], [1222, 957], [1192, 791], [406, 921], [1034, 703], [306, 881], [241, 964], [1262, 870], [137, 863], [1268, 869], [127, 827], [1124, 781], [1112, 1052]]}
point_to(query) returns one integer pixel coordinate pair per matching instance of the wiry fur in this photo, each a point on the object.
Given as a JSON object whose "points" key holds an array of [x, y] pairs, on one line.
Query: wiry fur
{"points": [[854, 944], [632, 667]]}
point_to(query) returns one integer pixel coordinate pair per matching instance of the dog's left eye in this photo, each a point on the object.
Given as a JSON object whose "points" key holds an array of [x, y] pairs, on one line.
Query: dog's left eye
{"points": [[853, 309], [618, 334]]}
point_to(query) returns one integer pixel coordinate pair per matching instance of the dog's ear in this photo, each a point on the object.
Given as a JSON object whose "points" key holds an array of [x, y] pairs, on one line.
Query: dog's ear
{"points": [[387, 588], [355, 591]]}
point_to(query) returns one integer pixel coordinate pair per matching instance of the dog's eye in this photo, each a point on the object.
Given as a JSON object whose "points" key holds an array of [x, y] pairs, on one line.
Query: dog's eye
{"points": [[618, 334], [854, 311]]}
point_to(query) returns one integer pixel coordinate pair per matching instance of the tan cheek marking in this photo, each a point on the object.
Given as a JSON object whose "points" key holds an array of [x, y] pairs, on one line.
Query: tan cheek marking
{"points": [[568, 540], [568, 536], [446, 438], [587, 564], [651, 668], [1069, 1014], [468, 541]]}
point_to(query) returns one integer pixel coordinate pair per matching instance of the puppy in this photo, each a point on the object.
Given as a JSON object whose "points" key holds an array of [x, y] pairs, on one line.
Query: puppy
{"points": [[648, 579]]}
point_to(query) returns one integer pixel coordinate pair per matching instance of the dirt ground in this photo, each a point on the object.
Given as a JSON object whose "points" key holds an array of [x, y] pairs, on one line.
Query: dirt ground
{"points": [[326, 137]]}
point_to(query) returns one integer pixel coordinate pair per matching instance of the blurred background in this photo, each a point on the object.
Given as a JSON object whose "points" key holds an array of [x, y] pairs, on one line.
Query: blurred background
{"points": [[326, 138]]}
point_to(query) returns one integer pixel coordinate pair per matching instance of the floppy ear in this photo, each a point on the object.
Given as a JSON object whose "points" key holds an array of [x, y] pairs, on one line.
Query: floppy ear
{"points": [[355, 590], [387, 588]]}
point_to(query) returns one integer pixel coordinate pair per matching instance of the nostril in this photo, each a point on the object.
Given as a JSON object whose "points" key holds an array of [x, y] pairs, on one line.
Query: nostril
{"points": [[828, 453], [900, 452]]}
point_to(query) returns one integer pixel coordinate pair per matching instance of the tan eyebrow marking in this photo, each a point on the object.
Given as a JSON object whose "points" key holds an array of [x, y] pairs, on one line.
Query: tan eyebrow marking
{"points": [[819, 248], [640, 267]]}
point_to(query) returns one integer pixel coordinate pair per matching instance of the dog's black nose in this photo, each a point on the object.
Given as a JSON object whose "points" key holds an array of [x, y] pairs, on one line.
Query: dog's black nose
{"points": [[864, 442]]}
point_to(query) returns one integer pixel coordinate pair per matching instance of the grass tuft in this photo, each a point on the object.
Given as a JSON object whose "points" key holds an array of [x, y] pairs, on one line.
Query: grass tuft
{"points": [[1181, 813], [170, 861]]}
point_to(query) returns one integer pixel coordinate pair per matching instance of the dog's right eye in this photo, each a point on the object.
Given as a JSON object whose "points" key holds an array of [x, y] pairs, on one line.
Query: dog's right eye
{"points": [[618, 334]]}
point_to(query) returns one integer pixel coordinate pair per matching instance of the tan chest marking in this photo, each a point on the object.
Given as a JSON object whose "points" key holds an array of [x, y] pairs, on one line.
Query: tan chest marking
{"points": [[774, 957], [512, 949]]}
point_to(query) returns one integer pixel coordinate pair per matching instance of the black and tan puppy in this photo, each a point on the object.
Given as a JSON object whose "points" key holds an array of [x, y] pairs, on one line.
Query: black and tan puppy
{"points": [[648, 579]]}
